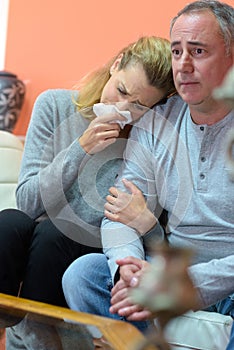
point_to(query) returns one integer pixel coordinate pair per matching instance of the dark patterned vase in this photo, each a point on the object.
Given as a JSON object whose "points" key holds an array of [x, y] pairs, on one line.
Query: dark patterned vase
{"points": [[12, 92]]}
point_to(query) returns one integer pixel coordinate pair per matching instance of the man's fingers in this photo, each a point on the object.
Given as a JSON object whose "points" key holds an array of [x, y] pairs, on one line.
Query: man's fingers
{"points": [[128, 310], [142, 315], [130, 260], [121, 304], [117, 287]]}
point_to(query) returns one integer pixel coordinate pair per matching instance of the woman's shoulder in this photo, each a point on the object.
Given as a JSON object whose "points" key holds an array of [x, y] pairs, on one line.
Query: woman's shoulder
{"points": [[53, 106], [58, 96]]}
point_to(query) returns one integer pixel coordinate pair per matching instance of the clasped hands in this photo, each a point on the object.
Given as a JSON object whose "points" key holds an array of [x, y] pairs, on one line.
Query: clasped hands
{"points": [[162, 292], [131, 271]]}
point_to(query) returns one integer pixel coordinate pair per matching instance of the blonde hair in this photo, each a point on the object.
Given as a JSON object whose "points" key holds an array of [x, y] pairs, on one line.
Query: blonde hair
{"points": [[153, 53]]}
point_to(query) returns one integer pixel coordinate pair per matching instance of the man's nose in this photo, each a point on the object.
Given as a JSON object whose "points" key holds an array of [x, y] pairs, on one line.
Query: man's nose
{"points": [[186, 63]]}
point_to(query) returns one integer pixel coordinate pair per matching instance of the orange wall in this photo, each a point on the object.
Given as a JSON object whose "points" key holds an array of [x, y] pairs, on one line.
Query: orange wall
{"points": [[52, 44]]}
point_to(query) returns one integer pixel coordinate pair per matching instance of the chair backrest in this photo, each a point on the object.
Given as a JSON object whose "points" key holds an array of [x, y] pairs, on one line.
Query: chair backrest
{"points": [[11, 150]]}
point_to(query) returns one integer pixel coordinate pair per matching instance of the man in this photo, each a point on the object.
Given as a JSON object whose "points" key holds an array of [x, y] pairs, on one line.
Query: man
{"points": [[176, 157]]}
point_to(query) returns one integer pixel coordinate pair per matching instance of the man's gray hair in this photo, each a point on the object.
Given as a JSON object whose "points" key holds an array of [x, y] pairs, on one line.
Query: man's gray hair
{"points": [[223, 12]]}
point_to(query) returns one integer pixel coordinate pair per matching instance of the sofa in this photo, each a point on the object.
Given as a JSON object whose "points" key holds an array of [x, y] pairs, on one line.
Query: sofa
{"points": [[11, 150]]}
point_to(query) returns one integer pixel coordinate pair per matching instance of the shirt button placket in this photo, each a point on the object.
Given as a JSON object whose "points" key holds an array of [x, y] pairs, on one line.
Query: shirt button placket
{"points": [[202, 163]]}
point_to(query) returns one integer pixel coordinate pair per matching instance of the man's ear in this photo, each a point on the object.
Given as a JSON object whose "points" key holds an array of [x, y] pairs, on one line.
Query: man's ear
{"points": [[116, 64]]}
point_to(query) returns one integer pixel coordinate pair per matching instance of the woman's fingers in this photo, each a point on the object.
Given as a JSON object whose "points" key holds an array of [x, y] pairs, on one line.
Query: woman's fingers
{"points": [[98, 136], [108, 118], [114, 191], [131, 187]]}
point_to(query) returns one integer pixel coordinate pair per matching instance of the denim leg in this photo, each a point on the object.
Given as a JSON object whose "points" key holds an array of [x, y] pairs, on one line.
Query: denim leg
{"points": [[87, 287], [224, 306], [231, 342]]}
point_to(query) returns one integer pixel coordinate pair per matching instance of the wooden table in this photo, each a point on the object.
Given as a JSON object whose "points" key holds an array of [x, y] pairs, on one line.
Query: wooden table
{"points": [[120, 335]]}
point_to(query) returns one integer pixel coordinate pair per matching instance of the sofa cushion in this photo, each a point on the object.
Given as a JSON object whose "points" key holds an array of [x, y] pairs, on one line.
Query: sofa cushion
{"points": [[199, 330], [11, 150]]}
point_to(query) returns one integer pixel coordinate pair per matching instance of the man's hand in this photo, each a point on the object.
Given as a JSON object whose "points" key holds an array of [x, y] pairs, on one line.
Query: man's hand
{"points": [[131, 270], [165, 289]]}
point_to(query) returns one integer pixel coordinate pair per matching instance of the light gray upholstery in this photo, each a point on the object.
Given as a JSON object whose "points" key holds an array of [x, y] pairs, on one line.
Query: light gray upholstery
{"points": [[199, 330], [11, 150]]}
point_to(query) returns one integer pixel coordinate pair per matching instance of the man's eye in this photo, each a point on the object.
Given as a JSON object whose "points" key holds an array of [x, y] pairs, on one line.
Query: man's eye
{"points": [[199, 51], [175, 52]]}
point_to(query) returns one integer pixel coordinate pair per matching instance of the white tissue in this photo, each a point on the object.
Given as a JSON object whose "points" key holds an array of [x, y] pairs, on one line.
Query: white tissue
{"points": [[102, 109]]}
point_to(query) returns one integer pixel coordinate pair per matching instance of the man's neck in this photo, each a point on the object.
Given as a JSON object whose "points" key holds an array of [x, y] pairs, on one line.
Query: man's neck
{"points": [[209, 116]]}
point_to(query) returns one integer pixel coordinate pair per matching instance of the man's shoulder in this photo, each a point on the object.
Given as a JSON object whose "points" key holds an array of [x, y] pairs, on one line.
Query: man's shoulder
{"points": [[172, 103], [171, 109]]}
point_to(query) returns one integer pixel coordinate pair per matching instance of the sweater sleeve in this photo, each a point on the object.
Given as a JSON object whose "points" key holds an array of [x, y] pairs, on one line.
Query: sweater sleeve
{"points": [[120, 240], [48, 170], [213, 279]]}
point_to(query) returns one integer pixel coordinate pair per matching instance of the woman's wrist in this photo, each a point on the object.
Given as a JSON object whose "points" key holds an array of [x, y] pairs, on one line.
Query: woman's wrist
{"points": [[146, 222]]}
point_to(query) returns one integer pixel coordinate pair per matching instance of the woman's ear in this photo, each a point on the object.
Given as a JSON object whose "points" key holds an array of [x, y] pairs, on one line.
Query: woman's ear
{"points": [[116, 64]]}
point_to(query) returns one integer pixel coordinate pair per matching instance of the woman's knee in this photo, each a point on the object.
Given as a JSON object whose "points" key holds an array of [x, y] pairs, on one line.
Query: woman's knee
{"points": [[15, 224], [85, 271], [16, 218], [46, 234]]}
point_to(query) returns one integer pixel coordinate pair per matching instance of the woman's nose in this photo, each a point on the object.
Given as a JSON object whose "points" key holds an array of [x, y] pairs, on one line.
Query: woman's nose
{"points": [[123, 105]]}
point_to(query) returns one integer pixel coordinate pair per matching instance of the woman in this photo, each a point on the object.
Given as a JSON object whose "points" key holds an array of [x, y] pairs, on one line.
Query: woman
{"points": [[70, 161]]}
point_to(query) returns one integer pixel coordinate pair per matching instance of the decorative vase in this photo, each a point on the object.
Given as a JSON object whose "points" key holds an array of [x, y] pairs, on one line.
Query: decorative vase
{"points": [[12, 92]]}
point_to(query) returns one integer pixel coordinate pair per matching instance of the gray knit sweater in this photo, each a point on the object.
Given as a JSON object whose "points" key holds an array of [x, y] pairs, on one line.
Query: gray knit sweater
{"points": [[57, 178]]}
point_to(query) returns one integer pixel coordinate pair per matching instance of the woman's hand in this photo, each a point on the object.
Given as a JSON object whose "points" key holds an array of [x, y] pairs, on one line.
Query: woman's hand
{"points": [[129, 209], [101, 133]]}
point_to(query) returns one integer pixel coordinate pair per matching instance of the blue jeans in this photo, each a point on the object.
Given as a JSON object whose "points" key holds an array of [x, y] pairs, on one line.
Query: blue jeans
{"points": [[231, 342], [87, 287]]}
